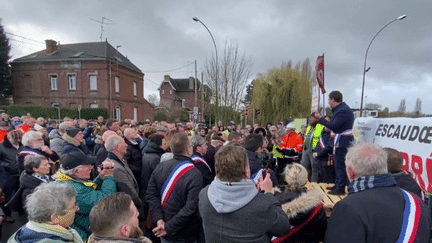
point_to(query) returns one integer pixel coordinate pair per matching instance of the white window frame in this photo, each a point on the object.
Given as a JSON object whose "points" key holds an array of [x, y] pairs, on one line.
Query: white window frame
{"points": [[135, 89], [72, 81], [117, 84], [54, 82], [170, 91], [135, 112], [93, 87], [163, 91], [117, 113]]}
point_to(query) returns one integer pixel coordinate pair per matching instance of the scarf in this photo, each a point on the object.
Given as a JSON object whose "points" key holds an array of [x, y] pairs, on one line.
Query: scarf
{"points": [[369, 182], [64, 177]]}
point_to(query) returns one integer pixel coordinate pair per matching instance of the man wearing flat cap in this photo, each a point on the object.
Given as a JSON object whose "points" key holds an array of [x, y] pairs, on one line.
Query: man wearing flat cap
{"points": [[75, 170], [74, 141]]}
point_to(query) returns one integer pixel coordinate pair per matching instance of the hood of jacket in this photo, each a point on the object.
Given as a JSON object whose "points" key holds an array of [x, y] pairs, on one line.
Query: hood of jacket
{"points": [[153, 148], [97, 239], [54, 134], [303, 203], [228, 197], [71, 140]]}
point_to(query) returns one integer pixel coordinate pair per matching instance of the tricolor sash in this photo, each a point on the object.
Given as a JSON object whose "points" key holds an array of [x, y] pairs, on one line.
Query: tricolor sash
{"points": [[28, 153], [255, 177], [411, 218], [179, 170], [198, 159], [337, 136]]}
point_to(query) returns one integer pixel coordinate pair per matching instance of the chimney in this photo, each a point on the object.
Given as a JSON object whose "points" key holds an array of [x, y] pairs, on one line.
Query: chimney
{"points": [[191, 83], [167, 78], [51, 46]]}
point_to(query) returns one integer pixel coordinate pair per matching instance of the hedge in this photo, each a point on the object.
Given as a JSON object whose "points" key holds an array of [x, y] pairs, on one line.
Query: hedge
{"points": [[52, 112]]}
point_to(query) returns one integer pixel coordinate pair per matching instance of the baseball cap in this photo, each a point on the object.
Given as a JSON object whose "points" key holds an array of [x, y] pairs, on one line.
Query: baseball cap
{"points": [[76, 158]]}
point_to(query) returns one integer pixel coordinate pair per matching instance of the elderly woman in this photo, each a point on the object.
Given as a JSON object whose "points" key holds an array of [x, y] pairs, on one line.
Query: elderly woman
{"points": [[37, 169], [75, 171], [51, 210], [303, 207], [34, 145]]}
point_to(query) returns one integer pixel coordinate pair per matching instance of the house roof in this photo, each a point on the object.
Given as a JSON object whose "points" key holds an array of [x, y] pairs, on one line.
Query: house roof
{"points": [[90, 51], [181, 85]]}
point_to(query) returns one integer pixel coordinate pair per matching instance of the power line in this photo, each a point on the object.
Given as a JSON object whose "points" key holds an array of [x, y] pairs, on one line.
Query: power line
{"points": [[170, 70], [151, 81]]}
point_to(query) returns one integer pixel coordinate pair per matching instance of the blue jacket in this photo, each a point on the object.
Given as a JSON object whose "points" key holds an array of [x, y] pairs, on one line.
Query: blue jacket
{"points": [[342, 120]]}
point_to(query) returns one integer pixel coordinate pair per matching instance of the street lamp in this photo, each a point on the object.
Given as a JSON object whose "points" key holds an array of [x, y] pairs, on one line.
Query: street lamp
{"points": [[364, 68], [216, 82]]}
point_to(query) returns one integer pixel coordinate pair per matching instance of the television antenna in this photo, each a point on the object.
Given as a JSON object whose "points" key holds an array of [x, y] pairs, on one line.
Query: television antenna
{"points": [[110, 22]]}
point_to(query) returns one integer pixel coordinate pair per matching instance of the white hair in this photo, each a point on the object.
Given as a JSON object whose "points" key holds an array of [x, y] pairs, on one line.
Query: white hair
{"points": [[112, 141], [29, 136], [48, 198], [366, 159]]}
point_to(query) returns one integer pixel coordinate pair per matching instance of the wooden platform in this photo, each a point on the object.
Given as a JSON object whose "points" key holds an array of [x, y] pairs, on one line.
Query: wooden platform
{"points": [[329, 200]]}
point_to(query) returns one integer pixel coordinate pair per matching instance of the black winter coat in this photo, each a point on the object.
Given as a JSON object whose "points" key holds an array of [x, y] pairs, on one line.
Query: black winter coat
{"points": [[182, 222], [8, 157], [134, 158], [150, 160]]}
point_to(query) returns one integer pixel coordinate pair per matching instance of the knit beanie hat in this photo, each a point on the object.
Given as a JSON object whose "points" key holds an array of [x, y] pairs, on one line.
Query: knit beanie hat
{"points": [[72, 131]]}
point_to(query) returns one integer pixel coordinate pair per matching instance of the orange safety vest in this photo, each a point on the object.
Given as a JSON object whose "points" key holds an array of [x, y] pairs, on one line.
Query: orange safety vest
{"points": [[292, 140]]}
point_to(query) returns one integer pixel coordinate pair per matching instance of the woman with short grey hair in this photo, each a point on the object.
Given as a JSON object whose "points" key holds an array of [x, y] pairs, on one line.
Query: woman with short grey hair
{"points": [[51, 210], [37, 169]]}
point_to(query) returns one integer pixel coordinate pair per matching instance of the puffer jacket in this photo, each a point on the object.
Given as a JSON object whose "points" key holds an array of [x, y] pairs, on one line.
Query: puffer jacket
{"points": [[299, 205]]}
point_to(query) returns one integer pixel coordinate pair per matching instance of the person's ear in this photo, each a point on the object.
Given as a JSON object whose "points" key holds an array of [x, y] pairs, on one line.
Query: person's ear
{"points": [[55, 219], [125, 230], [350, 173]]}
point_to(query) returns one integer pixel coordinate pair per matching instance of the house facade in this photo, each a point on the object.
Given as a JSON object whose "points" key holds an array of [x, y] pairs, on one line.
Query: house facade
{"points": [[93, 75], [180, 93]]}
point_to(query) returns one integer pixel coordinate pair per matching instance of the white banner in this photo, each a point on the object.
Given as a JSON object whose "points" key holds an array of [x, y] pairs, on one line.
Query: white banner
{"points": [[410, 136], [315, 97]]}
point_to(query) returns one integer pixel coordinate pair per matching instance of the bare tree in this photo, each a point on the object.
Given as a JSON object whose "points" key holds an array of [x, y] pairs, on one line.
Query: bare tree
{"points": [[418, 107], [234, 71], [153, 99]]}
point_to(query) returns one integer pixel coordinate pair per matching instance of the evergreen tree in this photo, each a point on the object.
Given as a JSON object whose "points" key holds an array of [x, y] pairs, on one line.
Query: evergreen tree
{"points": [[5, 74]]}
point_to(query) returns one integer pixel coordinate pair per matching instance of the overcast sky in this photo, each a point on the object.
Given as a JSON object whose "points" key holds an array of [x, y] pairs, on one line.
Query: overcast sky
{"points": [[160, 35]]}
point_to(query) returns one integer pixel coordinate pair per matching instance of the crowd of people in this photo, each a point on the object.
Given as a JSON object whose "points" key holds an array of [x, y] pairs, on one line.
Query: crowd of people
{"points": [[126, 181]]}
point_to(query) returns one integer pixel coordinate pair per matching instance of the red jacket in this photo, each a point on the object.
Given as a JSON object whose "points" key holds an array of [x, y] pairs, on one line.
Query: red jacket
{"points": [[292, 140]]}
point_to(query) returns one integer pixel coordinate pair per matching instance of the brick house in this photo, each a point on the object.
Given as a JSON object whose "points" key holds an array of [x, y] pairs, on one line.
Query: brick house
{"points": [[91, 75], [180, 93]]}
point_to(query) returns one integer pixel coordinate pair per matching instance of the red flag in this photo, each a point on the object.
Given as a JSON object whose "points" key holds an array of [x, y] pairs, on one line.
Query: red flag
{"points": [[320, 72]]}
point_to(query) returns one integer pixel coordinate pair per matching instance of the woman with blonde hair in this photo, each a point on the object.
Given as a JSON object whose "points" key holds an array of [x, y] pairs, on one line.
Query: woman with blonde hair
{"points": [[303, 207]]}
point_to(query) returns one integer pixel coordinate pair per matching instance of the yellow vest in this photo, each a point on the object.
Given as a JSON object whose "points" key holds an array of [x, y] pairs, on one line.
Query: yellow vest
{"points": [[317, 133]]}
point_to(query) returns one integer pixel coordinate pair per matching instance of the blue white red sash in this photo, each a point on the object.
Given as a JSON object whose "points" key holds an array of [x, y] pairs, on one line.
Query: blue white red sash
{"points": [[198, 159], [337, 136], [255, 177], [321, 142], [29, 152], [411, 218], [179, 170]]}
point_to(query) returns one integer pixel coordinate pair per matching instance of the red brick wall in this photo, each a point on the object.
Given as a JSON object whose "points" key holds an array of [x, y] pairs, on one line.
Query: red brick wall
{"points": [[39, 92]]}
